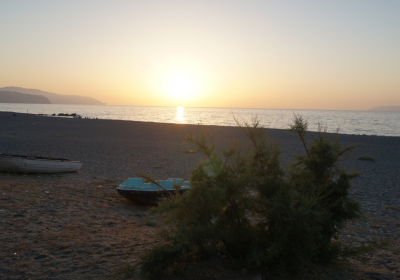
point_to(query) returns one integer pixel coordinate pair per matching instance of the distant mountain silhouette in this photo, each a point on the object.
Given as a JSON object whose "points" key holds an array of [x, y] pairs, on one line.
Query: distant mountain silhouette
{"points": [[17, 97], [55, 98], [386, 109]]}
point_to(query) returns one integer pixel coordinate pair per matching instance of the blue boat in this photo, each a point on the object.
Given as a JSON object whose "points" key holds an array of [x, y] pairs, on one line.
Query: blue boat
{"points": [[140, 193]]}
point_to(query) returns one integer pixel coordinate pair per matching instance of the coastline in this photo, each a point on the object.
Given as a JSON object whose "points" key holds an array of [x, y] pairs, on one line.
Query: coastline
{"points": [[349, 122], [75, 225]]}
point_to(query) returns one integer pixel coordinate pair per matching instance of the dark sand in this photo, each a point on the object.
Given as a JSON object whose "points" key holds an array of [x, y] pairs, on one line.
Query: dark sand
{"points": [[76, 226]]}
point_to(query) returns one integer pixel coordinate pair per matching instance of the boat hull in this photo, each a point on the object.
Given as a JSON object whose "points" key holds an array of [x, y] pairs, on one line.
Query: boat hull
{"points": [[27, 164], [150, 198]]}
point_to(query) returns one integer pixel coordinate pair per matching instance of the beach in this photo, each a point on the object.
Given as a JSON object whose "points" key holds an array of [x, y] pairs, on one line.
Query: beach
{"points": [[76, 226]]}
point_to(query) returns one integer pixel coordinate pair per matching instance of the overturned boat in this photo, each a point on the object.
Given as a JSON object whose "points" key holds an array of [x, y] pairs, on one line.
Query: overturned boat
{"points": [[140, 193], [35, 164]]}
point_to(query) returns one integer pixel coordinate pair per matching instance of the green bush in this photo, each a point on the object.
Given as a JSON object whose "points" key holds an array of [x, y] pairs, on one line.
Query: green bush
{"points": [[242, 203]]}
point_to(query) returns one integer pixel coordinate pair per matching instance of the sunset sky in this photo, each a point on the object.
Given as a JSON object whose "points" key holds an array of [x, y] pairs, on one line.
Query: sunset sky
{"points": [[340, 55]]}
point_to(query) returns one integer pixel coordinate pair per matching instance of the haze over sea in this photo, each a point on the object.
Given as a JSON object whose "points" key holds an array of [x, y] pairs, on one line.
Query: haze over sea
{"points": [[348, 122]]}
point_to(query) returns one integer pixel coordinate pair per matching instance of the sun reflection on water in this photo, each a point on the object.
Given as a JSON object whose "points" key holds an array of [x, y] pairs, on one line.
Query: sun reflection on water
{"points": [[179, 114]]}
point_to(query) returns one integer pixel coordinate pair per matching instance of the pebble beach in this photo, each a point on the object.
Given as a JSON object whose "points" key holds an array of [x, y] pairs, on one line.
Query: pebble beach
{"points": [[76, 226]]}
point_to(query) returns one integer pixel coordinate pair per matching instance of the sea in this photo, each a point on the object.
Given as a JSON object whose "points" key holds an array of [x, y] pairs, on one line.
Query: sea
{"points": [[346, 122]]}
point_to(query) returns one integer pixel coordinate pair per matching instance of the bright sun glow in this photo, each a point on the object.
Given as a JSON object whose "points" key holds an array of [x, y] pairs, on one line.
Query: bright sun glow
{"points": [[181, 86], [180, 83]]}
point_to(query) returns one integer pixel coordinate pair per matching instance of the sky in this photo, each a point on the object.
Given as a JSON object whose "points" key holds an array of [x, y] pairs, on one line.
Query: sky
{"points": [[295, 54]]}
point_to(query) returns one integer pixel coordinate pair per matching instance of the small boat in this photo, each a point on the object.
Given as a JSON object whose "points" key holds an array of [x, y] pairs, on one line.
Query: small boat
{"points": [[34, 164], [140, 193]]}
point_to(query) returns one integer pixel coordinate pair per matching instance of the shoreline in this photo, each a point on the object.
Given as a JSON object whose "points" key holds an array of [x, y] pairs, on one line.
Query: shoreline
{"points": [[350, 122], [76, 226]]}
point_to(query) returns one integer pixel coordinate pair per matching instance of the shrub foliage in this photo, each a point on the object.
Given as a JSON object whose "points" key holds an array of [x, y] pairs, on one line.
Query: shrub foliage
{"points": [[242, 203]]}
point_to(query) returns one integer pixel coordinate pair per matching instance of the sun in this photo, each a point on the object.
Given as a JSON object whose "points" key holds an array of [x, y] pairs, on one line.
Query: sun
{"points": [[180, 83], [181, 86]]}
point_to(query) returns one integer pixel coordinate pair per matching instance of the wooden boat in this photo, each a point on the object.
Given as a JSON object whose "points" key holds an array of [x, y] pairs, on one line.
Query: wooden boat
{"points": [[140, 193], [33, 164]]}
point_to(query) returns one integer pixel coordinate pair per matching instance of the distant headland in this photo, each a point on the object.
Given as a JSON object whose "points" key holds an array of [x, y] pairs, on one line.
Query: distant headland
{"points": [[35, 96], [17, 97], [386, 109]]}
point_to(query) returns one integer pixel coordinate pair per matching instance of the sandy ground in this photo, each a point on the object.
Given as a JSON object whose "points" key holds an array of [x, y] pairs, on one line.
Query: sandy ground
{"points": [[76, 226]]}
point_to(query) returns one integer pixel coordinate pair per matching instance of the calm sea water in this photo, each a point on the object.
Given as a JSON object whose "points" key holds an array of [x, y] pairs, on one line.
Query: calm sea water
{"points": [[348, 122]]}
